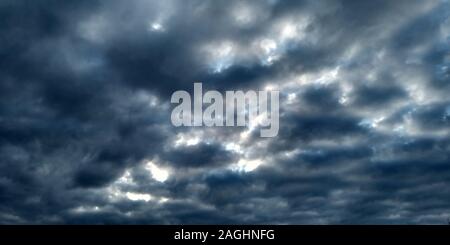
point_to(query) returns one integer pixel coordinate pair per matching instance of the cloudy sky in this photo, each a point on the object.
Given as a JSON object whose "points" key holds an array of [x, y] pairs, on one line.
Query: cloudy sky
{"points": [[86, 138]]}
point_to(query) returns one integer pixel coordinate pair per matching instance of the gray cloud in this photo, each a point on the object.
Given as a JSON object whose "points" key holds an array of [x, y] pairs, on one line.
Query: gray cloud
{"points": [[85, 133]]}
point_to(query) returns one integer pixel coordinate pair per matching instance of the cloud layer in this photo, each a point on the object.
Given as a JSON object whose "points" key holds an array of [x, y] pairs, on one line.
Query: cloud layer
{"points": [[85, 132]]}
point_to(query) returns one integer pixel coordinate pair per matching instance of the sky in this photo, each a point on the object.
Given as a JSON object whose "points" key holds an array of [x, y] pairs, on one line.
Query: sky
{"points": [[86, 136]]}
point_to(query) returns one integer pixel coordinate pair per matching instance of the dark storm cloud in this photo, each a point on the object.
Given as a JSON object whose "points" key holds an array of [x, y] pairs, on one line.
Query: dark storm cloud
{"points": [[85, 133], [318, 126], [378, 95], [199, 155], [319, 98]]}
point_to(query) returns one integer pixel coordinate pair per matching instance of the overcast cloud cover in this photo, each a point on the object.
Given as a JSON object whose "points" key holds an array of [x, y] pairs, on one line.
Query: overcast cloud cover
{"points": [[85, 132]]}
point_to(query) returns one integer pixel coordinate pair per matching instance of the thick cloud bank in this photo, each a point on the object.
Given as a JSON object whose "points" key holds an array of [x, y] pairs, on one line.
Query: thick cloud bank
{"points": [[85, 132]]}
